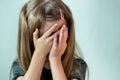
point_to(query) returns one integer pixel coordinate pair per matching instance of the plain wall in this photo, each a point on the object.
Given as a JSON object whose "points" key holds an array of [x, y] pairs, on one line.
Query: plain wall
{"points": [[97, 29]]}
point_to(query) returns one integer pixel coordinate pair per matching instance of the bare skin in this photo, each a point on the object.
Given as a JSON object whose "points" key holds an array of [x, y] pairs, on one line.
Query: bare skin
{"points": [[53, 43]]}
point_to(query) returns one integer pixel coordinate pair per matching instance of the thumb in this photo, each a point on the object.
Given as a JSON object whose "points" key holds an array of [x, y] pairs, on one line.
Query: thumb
{"points": [[35, 35]]}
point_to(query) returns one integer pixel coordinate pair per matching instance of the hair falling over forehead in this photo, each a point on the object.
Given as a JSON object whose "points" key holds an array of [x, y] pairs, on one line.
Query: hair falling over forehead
{"points": [[32, 16]]}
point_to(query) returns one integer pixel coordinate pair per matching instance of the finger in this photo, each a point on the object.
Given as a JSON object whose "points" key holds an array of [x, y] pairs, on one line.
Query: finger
{"points": [[54, 28], [35, 34], [66, 33], [55, 40], [50, 31], [61, 36], [52, 36]]}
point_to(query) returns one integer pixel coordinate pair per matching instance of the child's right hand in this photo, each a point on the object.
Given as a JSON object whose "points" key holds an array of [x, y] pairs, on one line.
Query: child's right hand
{"points": [[44, 43]]}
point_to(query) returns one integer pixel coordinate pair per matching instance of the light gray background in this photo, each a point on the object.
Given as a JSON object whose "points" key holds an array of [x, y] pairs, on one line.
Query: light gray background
{"points": [[97, 25]]}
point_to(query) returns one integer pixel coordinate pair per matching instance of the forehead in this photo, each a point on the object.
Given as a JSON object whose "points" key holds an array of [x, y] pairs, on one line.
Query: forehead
{"points": [[48, 24]]}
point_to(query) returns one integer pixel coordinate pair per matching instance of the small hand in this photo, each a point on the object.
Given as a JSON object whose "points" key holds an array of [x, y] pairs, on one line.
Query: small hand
{"points": [[59, 44], [44, 43]]}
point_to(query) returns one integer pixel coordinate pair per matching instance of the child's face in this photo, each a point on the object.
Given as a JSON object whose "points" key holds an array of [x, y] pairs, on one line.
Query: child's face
{"points": [[49, 24]]}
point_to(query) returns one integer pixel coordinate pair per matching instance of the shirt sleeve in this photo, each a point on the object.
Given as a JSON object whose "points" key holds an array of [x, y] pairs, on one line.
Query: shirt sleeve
{"points": [[79, 69], [16, 70]]}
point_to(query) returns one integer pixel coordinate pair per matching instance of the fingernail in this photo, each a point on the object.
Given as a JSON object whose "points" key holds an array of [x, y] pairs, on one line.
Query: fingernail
{"points": [[56, 24], [64, 26], [36, 29]]}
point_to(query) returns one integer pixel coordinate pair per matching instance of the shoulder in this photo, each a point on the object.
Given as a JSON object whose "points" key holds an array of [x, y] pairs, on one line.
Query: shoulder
{"points": [[79, 61], [16, 70], [79, 69]]}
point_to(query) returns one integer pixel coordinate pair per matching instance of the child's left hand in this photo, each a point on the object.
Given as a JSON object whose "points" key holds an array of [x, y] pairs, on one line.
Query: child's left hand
{"points": [[59, 44]]}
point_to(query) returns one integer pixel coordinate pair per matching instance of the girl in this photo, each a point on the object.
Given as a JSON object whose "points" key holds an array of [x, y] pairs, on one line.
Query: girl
{"points": [[46, 43]]}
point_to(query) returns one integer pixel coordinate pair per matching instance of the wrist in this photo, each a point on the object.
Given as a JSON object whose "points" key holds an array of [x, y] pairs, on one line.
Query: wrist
{"points": [[55, 60], [38, 53]]}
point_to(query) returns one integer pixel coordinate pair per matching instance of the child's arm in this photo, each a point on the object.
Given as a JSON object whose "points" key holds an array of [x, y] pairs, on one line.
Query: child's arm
{"points": [[42, 48], [57, 70], [35, 68], [58, 49]]}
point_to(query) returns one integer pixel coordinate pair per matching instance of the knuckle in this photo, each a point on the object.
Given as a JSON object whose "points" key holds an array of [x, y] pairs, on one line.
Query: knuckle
{"points": [[47, 41]]}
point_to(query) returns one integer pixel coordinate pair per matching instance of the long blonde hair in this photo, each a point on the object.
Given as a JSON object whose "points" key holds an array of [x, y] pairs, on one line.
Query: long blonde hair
{"points": [[33, 15]]}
